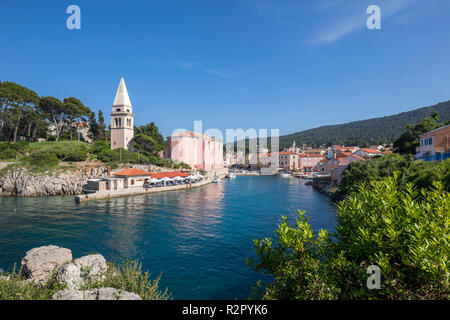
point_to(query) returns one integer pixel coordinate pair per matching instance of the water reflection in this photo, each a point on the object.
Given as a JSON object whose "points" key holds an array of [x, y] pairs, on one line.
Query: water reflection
{"points": [[198, 238]]}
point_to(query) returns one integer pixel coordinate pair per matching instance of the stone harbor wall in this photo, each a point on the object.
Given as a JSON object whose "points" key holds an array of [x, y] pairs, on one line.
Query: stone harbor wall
{"points": [[20, 182], [39, 264]]}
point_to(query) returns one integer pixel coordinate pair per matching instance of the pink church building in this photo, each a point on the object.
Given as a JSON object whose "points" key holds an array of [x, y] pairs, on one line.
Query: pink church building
{"points": [[196, 150]]}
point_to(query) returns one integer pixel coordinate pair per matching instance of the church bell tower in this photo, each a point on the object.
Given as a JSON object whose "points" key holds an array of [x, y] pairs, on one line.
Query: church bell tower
{"points": [[122, 119]]}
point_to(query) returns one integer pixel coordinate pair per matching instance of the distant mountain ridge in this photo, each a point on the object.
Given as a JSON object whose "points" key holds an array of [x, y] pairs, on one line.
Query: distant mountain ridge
{"points": [[371, 131]]}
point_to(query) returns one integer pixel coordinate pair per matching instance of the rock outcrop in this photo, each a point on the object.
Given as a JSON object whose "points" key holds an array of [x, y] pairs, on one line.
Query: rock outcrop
{"points": [[39, 263], [20, 182], [92, 266], [95, 294], [70, 275]]}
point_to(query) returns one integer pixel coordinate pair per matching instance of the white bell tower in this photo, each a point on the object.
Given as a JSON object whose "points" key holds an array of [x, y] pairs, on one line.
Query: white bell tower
{"points": [[122, 119]]}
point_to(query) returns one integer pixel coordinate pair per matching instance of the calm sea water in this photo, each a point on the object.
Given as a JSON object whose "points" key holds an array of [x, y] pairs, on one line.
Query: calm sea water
{"points": [[197, 238]]}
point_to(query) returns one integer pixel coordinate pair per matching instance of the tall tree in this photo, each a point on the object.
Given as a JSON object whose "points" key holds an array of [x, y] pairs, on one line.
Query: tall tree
{"points": [[101, 126], [56, 112], [15, 101], [77, 111]]}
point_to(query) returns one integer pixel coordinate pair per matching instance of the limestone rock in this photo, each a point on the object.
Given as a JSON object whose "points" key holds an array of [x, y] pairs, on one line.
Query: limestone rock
{"points": [[20, 182], [39, 263], [92, 266], [70, 294], [70, 275], [95, 294]]}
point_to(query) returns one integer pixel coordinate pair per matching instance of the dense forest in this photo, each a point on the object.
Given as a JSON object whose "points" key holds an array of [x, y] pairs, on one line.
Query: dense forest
{"points": [[366, 132]]}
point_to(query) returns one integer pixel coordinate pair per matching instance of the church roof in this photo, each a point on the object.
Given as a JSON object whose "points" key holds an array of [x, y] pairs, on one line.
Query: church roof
{"points": [[122, 98]]}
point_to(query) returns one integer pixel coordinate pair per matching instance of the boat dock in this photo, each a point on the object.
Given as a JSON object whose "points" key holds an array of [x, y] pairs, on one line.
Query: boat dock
{"points": [[107, 194]]}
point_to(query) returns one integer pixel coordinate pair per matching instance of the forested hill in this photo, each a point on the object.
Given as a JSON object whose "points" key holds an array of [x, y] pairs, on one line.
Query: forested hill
{"points": [[366, 132]]}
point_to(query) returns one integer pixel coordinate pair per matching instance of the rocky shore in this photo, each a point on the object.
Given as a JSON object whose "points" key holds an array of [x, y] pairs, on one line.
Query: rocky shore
{"points": [[328, 188], [20, 182]]}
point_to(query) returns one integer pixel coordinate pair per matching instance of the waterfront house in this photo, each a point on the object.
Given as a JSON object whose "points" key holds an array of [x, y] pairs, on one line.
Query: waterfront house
{"points": [[308, 161], [197, 150], [104, 184], [324, 167], [434, 145], [288, 160], [133, 177]]}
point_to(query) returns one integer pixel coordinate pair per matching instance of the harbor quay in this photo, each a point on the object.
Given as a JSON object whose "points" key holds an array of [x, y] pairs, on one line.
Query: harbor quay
{"points": [[107, 194], [135, 181]]}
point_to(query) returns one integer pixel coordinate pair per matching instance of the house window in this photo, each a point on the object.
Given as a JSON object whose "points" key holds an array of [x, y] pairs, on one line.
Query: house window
{"points": [[132, 182], [430, 141], [118, 110]]}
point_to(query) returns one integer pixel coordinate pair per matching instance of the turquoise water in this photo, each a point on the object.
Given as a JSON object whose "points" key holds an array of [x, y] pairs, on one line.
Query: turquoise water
{"points": [[197, 238]]}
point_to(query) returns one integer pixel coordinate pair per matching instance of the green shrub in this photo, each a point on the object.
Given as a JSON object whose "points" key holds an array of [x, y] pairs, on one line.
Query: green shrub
{"points": [[8, 153], [421, 174], [42, 160], [99, 146], [404, 232], [75, 155], [131, 278]]}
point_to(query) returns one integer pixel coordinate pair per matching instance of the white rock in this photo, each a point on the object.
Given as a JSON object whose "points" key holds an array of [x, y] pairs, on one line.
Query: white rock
{"points": [[39, 263], [95, 294], [92, 266], [70, 294], [70, 275]]}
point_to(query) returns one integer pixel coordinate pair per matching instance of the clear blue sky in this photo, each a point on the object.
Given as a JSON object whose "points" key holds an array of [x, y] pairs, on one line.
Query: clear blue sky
{"points": [[290, 65]]}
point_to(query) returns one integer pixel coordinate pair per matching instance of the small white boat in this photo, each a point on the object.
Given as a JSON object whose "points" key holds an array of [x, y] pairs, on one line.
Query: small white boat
{"points": [[286, 175], [232, 175], [216, 179]]}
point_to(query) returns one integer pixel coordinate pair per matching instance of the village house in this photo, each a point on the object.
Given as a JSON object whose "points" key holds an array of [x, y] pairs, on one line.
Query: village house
{"points": [[369, 153], [336, 171], [83, 130], [337, 151], [308, 161], [288, 160], [434, 145], [324, 167]]}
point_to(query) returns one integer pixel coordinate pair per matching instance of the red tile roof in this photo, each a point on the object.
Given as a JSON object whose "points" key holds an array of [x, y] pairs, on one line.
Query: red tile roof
{"points": [[370, 150], [173, 174], [132, 173], [356, 156]]}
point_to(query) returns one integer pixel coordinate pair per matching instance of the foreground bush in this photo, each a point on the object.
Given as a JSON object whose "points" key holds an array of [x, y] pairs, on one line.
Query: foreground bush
{"points": [[421, 174], [129, 278], [405, 233]]}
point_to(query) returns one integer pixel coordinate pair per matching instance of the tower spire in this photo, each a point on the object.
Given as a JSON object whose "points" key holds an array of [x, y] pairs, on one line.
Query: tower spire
{"points": [[122, 98]]}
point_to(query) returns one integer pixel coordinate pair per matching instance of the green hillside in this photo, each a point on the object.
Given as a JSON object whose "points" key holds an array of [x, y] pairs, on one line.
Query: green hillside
{"points": [[365, 132]]}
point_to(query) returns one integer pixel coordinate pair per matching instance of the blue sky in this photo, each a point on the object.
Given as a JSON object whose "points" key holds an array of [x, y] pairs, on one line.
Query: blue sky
{"points": [[290, 65]]}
